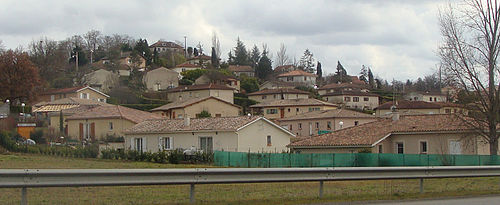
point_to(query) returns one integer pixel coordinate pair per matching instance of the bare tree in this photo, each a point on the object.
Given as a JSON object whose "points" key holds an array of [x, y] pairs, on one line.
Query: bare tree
{"points": [[216, 44], [49, 57], [470, 50], [92, 39], [281, 57], [2, 47]]}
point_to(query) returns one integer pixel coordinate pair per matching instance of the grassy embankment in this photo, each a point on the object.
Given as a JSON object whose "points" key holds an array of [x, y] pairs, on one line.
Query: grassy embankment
{"points": [[267, 193]]}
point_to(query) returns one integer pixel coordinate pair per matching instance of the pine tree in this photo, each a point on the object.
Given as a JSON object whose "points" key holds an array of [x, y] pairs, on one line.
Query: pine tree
{"points": [[254, 56], [363, 74], [215, 60], [240, 54], [264, 67], [307, 62], [371, 80]]}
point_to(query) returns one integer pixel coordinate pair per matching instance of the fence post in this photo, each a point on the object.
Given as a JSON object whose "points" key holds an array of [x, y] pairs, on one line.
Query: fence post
{"points": [[191, 194], [229, 159], [24, 196], [320, 189], [421, 185]]}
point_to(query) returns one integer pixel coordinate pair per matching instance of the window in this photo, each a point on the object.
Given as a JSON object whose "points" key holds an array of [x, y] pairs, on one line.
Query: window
{"points": [[289, 78], [355, 99], [400, 148], [313, 109], [317, 125], [179, 116], [447, 111], [430, 99], [435, 99], [217, 93], [269, 143], [366, 99], [290, 127], [297, 110], [52, 98], [101, 100], [356, 123], [218, 115], [274, 96], [84, 96], [138, 144], [347, 99], [305, 78], [165, 143], [272, 111], [300, 126], [190, 94], [423, 147], [183, 69], [380, 149], [206, 144], [264, 96], [289, 109], [329, 125], [110, 125]]}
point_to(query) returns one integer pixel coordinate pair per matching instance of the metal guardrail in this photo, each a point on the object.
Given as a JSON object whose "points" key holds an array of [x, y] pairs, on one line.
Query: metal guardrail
{"points": [[32, 178]]}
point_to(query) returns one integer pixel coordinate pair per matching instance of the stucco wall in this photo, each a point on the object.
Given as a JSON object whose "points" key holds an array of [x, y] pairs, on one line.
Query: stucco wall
{"points": [[254, 138], [226, 95], [272, 97], [291, 111], [372, 102], [162, 76], [382, 112], [323, 124], [101, 127], [436, 143]]}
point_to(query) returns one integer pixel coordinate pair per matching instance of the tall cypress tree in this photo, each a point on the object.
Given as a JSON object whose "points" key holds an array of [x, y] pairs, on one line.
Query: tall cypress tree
{"points": [[240, 54], [215, 60], [319, 72], [371, 80], [264, 67]]}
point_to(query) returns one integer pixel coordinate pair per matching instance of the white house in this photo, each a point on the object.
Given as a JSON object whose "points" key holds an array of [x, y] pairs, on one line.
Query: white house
{"points": [[239, 134]]}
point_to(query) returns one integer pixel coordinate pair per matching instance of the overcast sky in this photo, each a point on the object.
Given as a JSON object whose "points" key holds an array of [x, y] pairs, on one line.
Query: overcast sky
{"points": [[397, 39]]}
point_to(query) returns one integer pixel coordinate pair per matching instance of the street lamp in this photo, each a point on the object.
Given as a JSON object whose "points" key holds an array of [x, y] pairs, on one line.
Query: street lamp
{"points": [[341, 124], [24, 115]]}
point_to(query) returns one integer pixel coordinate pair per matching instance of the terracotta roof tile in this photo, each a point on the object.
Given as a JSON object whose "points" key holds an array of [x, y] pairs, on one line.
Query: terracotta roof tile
{"points": [[283, 67], [293, 102], [369, 133], [199, 87], [187, 65], [349, 92], [166, 44], [197, 124], [406, 104], [343, 85], [185, 103], [241, 68], [115, 111], [296, 73], [62, 90], [333, 113], [200, 57], [278, 91]]}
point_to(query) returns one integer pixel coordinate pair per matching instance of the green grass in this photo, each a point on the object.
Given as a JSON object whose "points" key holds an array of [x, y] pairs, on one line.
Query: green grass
{"points": [[264, 193]]}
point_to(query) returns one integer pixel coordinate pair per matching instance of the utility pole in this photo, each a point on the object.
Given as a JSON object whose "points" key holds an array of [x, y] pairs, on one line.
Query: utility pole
{"points": [[76, 62]]}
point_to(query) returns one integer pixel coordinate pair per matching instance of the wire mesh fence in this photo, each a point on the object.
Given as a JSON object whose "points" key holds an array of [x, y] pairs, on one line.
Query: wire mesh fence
{"points": [[278, 160]]}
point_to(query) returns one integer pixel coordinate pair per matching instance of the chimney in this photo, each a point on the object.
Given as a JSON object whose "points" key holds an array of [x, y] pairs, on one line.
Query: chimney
{"points": [[395, 113], [187, 121]]}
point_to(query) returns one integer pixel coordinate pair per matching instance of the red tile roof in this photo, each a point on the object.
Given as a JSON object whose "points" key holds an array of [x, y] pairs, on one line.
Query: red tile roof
{"points": [[201, 57], [350, 93], [343, 85], [283, 67], [115, 111], [200, 87], [62, 90], [278, 91], [167, 44], [187, 65], [241, 68], [297, 73], [333, 113], [405, 104], [293, 102], [186, 103], [369, 133]]}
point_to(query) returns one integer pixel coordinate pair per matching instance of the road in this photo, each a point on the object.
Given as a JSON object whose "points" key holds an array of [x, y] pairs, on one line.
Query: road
{"points": [[455, 201]]}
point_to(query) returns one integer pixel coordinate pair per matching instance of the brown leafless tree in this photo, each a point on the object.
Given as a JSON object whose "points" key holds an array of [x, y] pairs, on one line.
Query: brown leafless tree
{"points": [[281, 57], [92, 39], [216, 44], [470, 50]]}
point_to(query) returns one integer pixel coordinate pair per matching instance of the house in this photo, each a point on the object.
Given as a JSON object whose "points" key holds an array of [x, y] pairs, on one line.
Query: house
{"points": [[218, 79], [279, 84], [242, 69], [336, 87], [160, 79], [239, 134], [186, 92], [353, 99], [193, 107], [164, 46], [102, 80], [201, 60], [406, 107], [278, 94], [284, 69], [412, 134], [324, 121], [298, 76], [56, 119], [99, 122], [185, 67], [289, 107], [51, 110], [83, 92], [426, 96]]}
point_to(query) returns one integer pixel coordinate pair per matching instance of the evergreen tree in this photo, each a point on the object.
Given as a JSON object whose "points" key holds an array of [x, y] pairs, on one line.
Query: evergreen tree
{"points": [[363, 74], [82, 59], [371, 80], [195, 52], [264, 67], [319, 72], [215, 60], [142, 48], [254, 56], [307, 61], [240, 54]]}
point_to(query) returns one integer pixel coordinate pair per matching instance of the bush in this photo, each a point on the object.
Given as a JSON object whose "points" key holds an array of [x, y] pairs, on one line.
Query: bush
{"points": [[38, 136]]}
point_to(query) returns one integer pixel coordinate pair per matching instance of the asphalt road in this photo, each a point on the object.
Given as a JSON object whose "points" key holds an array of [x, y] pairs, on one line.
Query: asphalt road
{"points": [[452, 201]]}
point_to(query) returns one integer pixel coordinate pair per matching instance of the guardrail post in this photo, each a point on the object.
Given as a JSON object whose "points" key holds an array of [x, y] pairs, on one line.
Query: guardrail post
{"points": [[191, 194], [421, 185], [320, 189], [24, 196]]}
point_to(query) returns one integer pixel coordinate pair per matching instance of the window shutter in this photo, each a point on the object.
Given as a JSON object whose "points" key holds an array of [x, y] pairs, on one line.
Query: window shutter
{"points": [[171, 142], [160, 146], [92, 131], [81, 131], [132, 147], [144, 143]]}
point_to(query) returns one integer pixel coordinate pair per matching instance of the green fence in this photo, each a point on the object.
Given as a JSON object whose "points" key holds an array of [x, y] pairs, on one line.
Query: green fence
{"points": [[243, 159]]}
